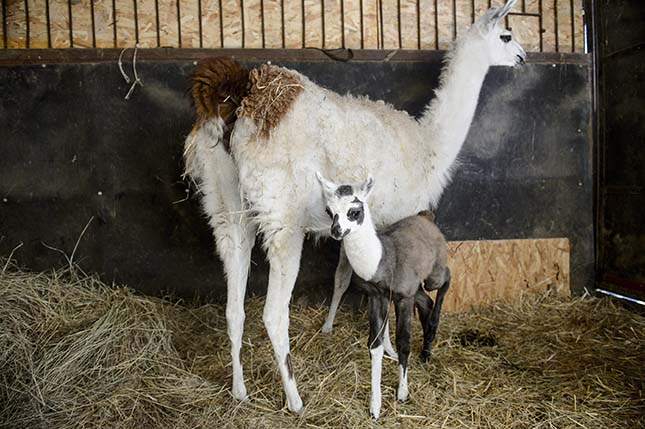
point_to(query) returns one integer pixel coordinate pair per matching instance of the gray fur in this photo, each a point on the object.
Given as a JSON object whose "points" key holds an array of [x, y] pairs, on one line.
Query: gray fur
{"points": [[414, 252], [414, 256]]}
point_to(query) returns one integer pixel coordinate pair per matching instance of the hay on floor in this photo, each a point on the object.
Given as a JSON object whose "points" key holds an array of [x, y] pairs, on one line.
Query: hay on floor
{"points": [[77, 353]]}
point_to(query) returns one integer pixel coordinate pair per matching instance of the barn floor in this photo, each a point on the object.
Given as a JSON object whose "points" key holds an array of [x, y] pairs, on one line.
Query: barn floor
{"points": [[75, 353]]}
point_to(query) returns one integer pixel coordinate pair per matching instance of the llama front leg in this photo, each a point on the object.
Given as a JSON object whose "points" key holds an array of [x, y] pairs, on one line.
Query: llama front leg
{"points": [[378, 306], [342, 279], [403, 322], [284, 250]]}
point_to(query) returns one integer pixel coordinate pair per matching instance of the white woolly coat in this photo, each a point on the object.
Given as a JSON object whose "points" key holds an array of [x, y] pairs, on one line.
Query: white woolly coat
{"points": [[346, 138]]}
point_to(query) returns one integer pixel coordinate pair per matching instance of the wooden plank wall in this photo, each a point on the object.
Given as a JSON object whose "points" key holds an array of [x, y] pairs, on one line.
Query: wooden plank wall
{"points": [[157, 23], [502, 270]]}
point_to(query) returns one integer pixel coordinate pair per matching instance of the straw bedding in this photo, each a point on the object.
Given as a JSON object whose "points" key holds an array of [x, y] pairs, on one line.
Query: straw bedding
{"points": [[77, 353]]}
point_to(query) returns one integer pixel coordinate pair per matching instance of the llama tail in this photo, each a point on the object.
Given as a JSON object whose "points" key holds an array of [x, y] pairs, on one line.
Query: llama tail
{"points": [[218, 87]]}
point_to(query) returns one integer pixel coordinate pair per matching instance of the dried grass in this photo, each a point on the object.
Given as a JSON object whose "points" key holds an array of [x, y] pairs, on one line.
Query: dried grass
{"points": [[77, 353]]}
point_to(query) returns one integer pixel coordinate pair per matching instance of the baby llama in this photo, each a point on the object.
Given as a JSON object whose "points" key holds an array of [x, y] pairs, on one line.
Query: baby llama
{"points": [[396, 263]]}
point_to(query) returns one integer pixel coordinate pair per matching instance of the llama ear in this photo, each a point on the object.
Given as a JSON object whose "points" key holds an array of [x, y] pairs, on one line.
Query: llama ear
{"points": [[494, 15], [506, 9], [367, 186], [328, 187], [488, 20]]}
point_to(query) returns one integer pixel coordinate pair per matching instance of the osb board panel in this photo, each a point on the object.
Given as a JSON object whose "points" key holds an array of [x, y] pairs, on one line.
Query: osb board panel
{"points": [[222, 24], [501, 270]]}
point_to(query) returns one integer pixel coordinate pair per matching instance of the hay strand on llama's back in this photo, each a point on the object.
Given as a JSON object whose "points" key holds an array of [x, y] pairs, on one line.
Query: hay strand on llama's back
{"points": [[272, 92], [77, 353]]}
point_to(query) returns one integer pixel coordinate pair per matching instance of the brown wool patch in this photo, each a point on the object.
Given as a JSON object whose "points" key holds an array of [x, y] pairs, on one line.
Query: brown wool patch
{"points": [[273, 91], [218, 87]]}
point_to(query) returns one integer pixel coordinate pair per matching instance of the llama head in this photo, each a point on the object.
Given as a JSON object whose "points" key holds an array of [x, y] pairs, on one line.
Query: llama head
{"points": [[502, 49], [346, 205]]}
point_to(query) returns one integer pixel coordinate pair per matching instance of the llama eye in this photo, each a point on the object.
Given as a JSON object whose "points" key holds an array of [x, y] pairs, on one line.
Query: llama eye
{"points": [[353, 214], [328, 212], [505, 38]]}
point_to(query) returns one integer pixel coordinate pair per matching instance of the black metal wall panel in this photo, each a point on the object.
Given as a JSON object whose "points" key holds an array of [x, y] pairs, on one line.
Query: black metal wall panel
{"points": [[621, 190], [71, 148]]}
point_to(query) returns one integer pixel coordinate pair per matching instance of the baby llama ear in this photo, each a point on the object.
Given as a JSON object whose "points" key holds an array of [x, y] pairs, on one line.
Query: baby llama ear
{"points": [[327, 186], [366, 188]]}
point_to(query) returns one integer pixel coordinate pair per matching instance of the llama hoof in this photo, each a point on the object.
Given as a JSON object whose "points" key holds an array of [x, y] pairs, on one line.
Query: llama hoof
{"points": [[296, 407], [375, 412], [402, 395], [425, 356], [239, 393], [327, 328]]}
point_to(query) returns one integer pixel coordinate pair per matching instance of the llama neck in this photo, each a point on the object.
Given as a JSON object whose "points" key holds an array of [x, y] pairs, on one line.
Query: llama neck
{"points": [[363, 249], [447, 118]]}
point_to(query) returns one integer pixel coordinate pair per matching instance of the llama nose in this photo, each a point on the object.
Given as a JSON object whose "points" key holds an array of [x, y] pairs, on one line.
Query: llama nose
{"points": [[520, 60], [336, 231]]}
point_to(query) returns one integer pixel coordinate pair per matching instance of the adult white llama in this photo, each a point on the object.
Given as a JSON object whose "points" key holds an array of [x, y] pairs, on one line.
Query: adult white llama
{"points": [[261, 136]]}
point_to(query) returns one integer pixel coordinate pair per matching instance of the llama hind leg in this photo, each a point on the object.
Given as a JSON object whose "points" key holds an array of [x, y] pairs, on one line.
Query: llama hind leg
{"points": [[234, 239], [234, 244], [284, 250], [342, 279], [439, 280], [213, 168], [424, 305], [433, 321]]}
